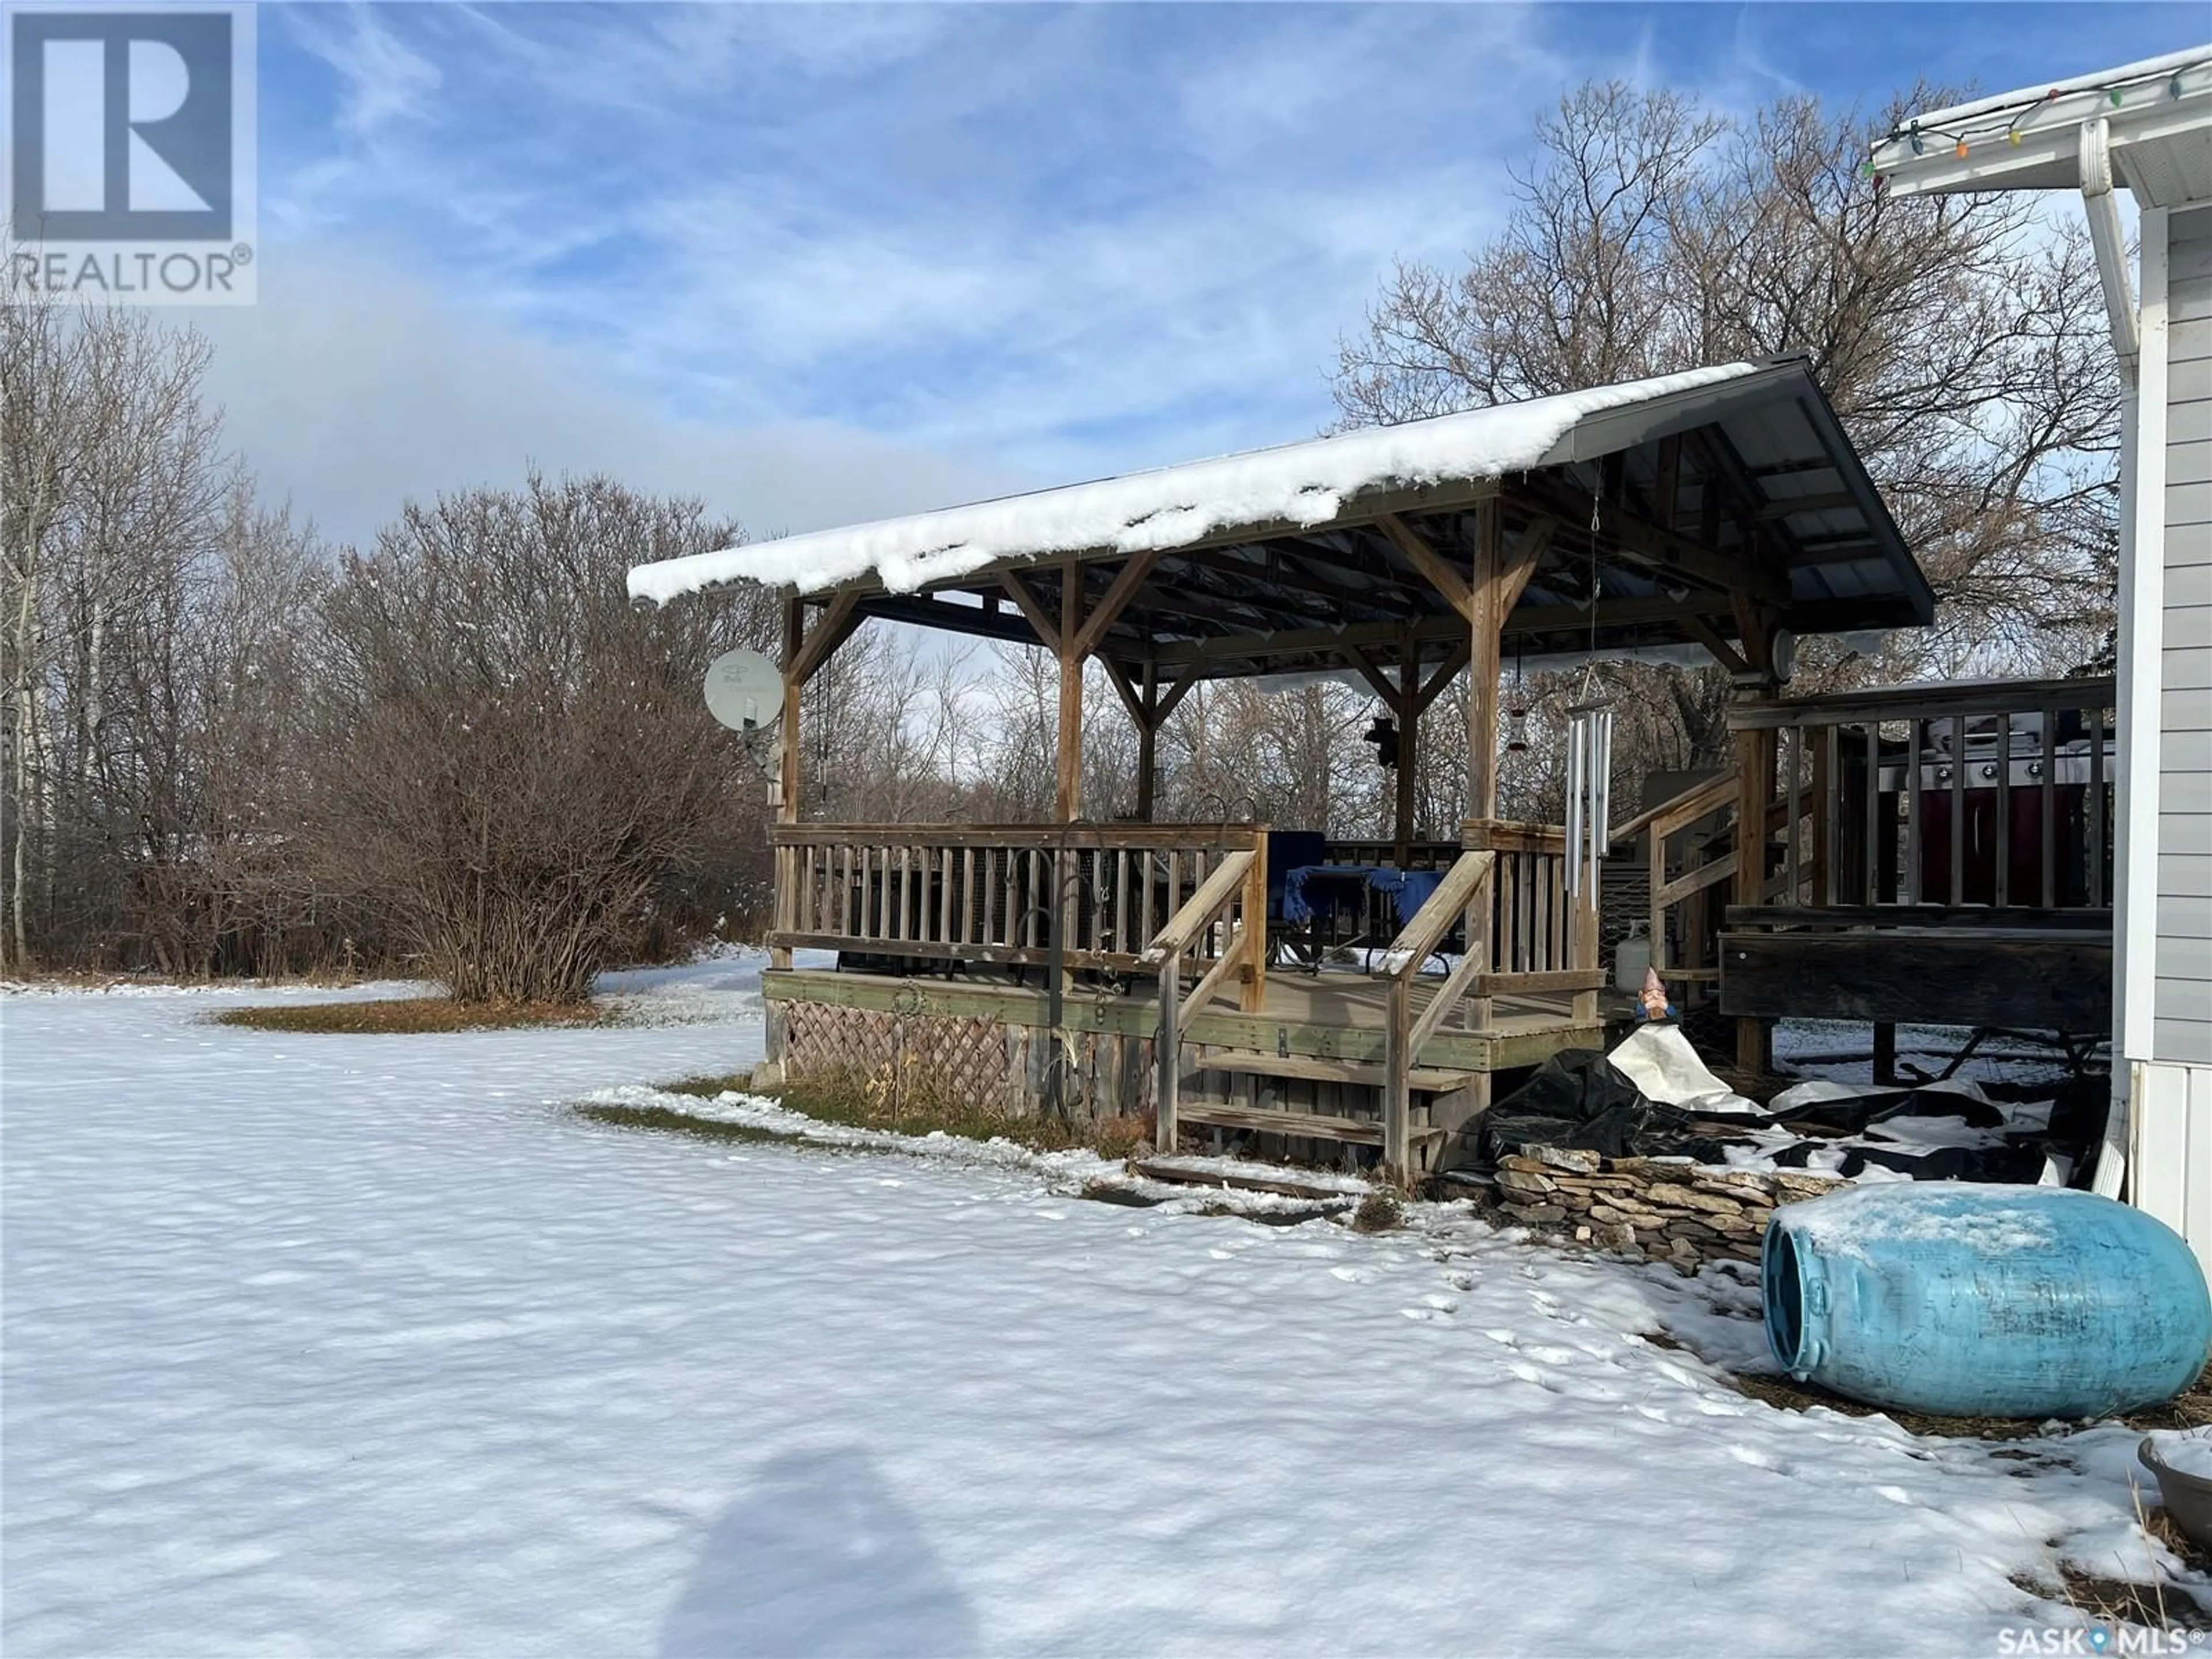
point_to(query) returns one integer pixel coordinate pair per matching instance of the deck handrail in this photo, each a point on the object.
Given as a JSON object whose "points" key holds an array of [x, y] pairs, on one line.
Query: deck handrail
{"points": [[1683, 808], [1956, 794], [1086, 835], [1244, 875], [1198, 908], [1076, 897], [1403, 1036], [1938, 701], [1429, 924]]}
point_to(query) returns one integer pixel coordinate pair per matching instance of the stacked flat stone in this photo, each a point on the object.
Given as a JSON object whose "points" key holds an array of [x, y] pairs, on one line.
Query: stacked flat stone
{"points": [[1655, 1208]]}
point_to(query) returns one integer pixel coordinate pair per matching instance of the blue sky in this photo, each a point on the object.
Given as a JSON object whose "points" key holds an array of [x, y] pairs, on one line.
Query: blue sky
{"points": [[820, 263]]}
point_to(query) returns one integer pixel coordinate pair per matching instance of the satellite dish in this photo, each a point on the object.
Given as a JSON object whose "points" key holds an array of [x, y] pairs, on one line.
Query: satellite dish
{"points": [[745, 690], [1785, 654]]}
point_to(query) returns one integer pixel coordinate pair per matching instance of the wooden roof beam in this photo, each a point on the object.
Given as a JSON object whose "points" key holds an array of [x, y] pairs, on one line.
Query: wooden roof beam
{"points": [[1025, 597], [1446, 628], [831, 629], [1291, 572], [1665, 551], [1393, 694], [1111, 603], [1185, 594], [1431, 564], [974, 620]]}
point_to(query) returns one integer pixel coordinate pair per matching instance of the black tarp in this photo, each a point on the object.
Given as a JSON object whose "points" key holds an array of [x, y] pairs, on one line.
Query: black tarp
{"points": [[1577, 1099]]}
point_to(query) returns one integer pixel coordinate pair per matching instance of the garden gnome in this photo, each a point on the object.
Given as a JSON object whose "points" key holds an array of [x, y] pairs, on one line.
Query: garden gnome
{"points": [[1654, 995]]}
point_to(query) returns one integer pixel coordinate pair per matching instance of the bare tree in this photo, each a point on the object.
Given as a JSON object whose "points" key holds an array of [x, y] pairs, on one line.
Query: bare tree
{"points": [[1959, 337], [519, 771], [118, 508]]}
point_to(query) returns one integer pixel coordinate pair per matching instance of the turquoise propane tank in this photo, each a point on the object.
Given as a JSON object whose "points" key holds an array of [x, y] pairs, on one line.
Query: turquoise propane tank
{"points": [[1967, 1300]]}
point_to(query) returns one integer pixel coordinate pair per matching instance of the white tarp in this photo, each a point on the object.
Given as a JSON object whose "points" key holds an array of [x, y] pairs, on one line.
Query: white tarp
{"points": [[1659, 1061]]}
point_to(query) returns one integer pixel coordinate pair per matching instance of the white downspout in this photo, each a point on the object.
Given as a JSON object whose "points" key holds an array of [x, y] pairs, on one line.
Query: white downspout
{"points": [[2142, 598], [2104, 210]]}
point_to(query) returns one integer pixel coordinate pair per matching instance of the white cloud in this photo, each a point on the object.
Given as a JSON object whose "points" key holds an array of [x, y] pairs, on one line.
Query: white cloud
{"points": [[850, 260], [354, 386], [384, 79]]}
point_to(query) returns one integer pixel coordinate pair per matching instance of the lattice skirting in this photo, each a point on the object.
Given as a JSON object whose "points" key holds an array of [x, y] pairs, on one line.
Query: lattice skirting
{"points": [[966, 1058]]}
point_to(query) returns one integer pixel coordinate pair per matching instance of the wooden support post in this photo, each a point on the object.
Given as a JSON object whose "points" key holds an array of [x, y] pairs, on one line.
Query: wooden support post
{"points": [[794, 639], [782, 897], [1167, 1055], [1884, 1051], [1586, 948], [1070, 754], [1483, 654], [1483, 662], [1148, 743], [788, 782], [1397, 1092], [1408, 709], [1255, 926], [1754, 762]]}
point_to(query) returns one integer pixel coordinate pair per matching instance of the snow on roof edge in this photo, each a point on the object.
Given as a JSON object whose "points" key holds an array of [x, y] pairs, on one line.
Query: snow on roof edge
{"points": [[1306, 482], [2144, 69]]}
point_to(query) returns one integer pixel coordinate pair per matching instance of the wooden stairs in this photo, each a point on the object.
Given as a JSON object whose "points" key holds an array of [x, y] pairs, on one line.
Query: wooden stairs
{"points": [[1428, 1085]]}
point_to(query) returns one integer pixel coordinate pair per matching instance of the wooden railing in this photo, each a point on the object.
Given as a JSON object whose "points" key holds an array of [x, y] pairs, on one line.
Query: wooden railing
{"points": [[1664, 825], [1985, 803], [1404, 1035], [1228, 912], [985, 895], [1420, 855], [1539, 939]]}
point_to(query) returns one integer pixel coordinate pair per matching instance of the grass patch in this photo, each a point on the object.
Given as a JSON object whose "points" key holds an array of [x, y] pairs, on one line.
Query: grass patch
{"points": [[1790, 1395], [661, 1120], [1378, 1212], [708, 1088], [401, 1014], [908, 1104], [2192, 1408], [2119, 1601]]}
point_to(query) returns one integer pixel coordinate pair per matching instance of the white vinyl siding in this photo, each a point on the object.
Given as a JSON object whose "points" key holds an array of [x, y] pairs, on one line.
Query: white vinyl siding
{"points": [[2171, 1156], [2183, 999]]}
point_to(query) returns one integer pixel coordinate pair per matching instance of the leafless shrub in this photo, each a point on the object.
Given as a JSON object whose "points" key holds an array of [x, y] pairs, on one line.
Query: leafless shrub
{"points": [[516, 766]]}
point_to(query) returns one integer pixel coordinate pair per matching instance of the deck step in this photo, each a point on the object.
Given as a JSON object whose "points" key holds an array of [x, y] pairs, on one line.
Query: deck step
{"points": [[1360, 1131], [1224, 1172], [1314, 1069]]}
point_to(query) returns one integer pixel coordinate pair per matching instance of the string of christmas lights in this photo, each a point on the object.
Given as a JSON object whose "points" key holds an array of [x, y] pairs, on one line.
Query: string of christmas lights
{"points": [[1960, 139]]}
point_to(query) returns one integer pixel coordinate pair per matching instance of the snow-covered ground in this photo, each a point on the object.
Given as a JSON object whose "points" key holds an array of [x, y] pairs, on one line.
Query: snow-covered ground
{"points": [[366, 1345]]}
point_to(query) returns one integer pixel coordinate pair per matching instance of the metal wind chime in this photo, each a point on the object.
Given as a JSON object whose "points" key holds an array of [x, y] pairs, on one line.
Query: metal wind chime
{"points": [[1589, 756], [1589, 785]]}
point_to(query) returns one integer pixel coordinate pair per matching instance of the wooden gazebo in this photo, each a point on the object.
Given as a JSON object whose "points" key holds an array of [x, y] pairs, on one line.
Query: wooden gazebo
{"points": [[1096, 962]]}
